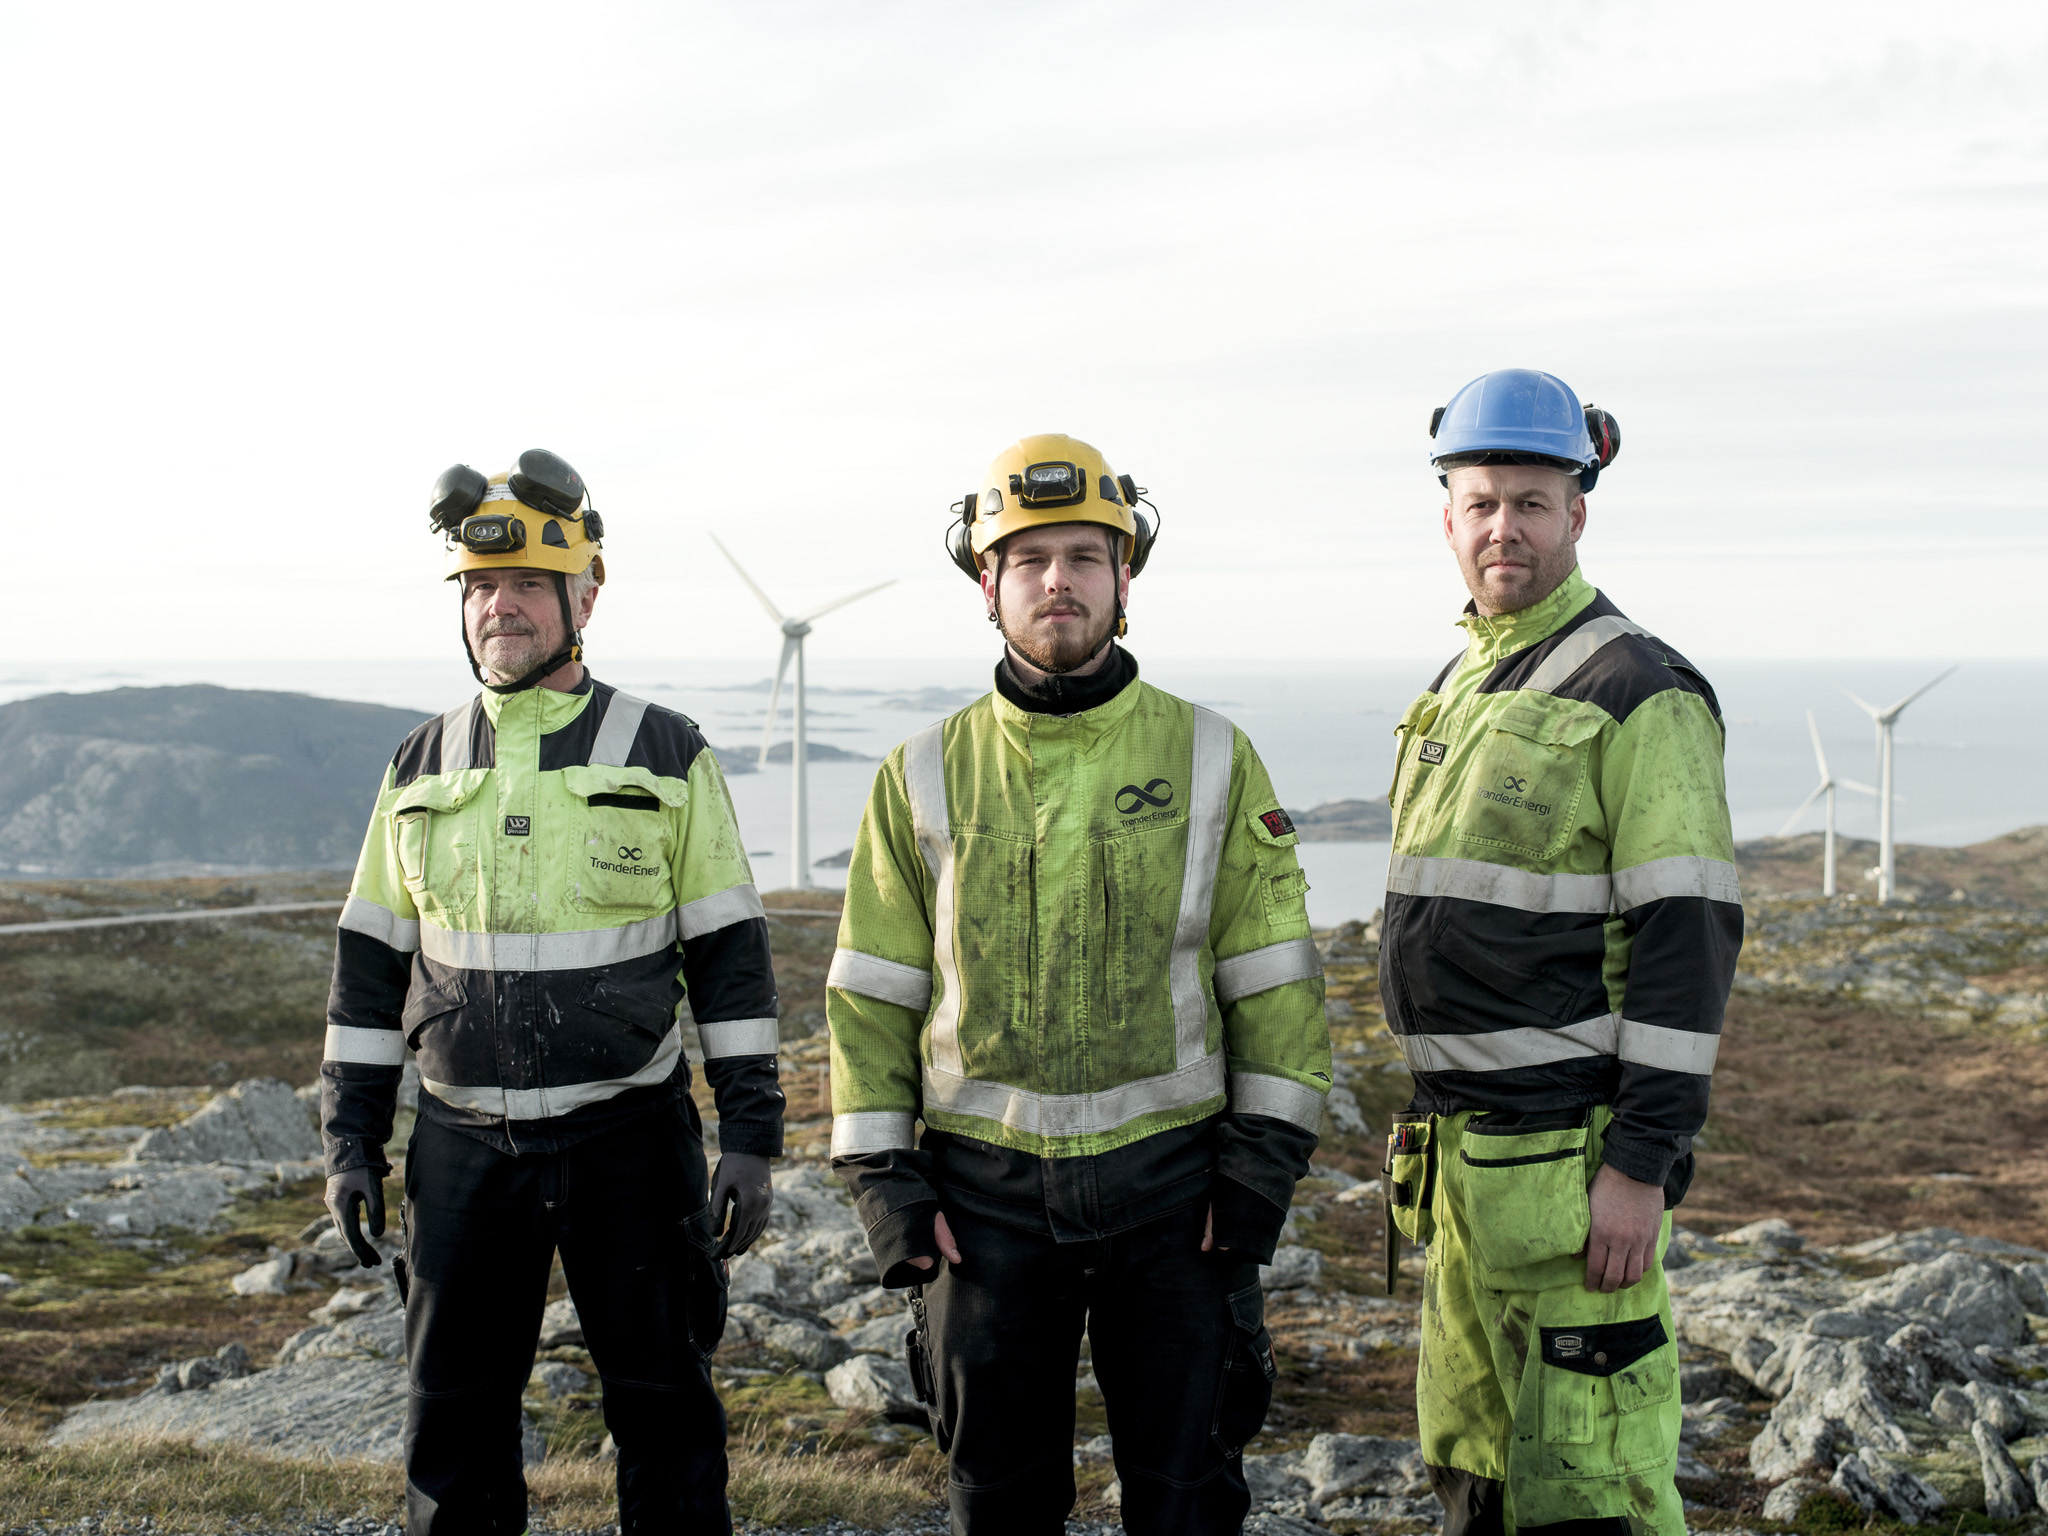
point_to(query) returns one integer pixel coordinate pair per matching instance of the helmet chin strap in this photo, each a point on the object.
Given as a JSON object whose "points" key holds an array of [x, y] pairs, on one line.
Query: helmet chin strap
{"points": [[531, 679]]}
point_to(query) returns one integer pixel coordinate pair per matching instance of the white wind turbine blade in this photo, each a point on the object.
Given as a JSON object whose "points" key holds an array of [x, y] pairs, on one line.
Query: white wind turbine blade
{"points": [[789, 645], [1861, 789], [773, 612], [1818, 755], [1793, 820], [1868, 708], [863, 592], [1893, 712]]}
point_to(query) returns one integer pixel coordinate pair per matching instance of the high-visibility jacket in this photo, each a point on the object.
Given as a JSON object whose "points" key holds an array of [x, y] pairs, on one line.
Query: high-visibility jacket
{"points": [[1065, 934], [1562, 914], [544, 876]]}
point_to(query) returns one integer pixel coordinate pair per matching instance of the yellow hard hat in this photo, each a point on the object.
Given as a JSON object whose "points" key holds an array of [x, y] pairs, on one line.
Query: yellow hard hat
{"points": [[1045, 479], [530, 517]]}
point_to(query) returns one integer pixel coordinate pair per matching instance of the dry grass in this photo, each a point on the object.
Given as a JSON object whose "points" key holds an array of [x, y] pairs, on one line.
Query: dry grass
{"points": [[175, 1485]]}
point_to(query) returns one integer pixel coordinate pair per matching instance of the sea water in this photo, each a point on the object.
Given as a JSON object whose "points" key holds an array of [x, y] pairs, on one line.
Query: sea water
{"points": [[1969, 756]]}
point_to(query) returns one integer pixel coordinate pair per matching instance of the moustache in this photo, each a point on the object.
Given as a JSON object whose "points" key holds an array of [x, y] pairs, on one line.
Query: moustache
{"points": [[508, 627], [1060, 605]]}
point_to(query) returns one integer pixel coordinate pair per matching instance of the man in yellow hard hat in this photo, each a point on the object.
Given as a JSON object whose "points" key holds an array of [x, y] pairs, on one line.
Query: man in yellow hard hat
{"points": [[551, 866], [1076, 947]]}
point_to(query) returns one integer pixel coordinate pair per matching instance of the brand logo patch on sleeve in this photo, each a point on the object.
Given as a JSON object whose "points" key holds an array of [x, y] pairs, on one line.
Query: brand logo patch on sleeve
{"points": [[1432, 752], [1279, 823], [518, 826]]}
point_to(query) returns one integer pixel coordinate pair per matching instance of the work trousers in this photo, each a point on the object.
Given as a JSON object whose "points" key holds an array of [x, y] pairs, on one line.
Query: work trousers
{"points": [[627, 1209], [1179, 1347], [1546, 1409]]}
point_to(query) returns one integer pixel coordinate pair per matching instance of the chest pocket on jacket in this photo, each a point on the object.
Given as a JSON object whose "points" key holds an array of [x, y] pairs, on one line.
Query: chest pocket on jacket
{"points": [[1523, 785], [436, 846], [1411, 729], [621, 859]]}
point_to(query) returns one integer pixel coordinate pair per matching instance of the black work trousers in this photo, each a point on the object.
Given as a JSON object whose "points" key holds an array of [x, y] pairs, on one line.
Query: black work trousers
{"points": [[627, 1209], [1180, 1350]]}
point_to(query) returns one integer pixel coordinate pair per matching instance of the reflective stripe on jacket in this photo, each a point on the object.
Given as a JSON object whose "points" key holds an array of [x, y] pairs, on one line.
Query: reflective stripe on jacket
{"points": [[1562, 914], [543, 876], [1064, 934]]}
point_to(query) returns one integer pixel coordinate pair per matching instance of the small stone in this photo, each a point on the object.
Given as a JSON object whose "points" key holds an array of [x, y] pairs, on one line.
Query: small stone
{"points": [[1998, 1408], [1952, 1406], [1293, 1268], [875, 1384], [560, 1328], [554, 1378], [809, 1346], [2007, 1495], [1772, 1232], [270, 1278], [1784, 1502]]}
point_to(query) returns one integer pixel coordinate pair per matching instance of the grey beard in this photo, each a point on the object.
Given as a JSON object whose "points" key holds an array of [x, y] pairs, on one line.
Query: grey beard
{"points": [[515, 659]]}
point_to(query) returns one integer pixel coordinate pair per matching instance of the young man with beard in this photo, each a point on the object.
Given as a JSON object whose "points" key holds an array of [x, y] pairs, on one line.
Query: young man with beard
{"points": [[549, 867], [1076, 948], [1561, 928]]}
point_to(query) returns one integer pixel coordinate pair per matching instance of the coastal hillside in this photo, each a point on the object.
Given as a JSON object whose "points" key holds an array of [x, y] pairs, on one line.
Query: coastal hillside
{"points": [[159, 782]]}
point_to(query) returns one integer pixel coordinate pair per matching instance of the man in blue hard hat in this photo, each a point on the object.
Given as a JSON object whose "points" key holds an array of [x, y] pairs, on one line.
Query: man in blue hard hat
{"points": [[1561, 927]]}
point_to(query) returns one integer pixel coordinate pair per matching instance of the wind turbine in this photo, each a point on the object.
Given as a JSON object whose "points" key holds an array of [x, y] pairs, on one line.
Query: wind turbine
{"points": [[793, 632], [1883, 719], [1827, 786]]}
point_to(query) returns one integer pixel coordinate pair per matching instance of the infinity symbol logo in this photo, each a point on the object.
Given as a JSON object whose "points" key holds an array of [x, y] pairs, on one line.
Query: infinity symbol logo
{"points": [[630, 855], [1131, 799], [1517, 785]]}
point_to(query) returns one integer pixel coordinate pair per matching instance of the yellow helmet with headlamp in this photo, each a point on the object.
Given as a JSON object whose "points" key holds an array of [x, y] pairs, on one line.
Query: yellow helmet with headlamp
{"points": [[1045, 479], [535, 516]]}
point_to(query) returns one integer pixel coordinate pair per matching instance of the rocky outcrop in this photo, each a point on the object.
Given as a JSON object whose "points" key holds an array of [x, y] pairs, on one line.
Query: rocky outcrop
{"points": [[258, 1121]]}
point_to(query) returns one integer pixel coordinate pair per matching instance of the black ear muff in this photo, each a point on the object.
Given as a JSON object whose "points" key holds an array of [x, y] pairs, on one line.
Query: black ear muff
{"points": [[1606, 434], [1436, 419], [960, 546], [545, 482], [1142, 542], [459, 492]]}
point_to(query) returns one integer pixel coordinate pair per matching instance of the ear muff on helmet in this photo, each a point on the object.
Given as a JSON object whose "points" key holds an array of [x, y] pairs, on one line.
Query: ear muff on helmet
{"points": [[459, 492], [960, 536], [1605, 432], [546, 482]]}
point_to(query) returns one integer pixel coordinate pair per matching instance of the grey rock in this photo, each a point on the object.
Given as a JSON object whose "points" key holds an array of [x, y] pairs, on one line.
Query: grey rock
{"points": [[1772, 1232], [2007, 1495], [2038, 1476], [1283, 1525], [354, 1300], [1293, 1268], [1967, 1297], [753, 1276], [1094, 1450], [1952, 1406], [1913, 1501], [554, 1378], [258, 1121], [1342, 1108], [805, 1344], [560, 1328], [1336, 1465], [1372, 1513], [1852, 1480], [1924, 1243], [1276, 1479], [872, 1302], [875, 1384], [319, 1408], [880, 1335], [2031, 1281], [1784, 1502], [1843, 1389], [1694, 1246], [367, 1336], [1945, 1359], [1998, 1408], [272, 1277], [1852, 1323], [1701, 1381]]}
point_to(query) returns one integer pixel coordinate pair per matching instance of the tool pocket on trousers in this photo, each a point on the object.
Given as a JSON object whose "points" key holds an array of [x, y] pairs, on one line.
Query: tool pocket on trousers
{"points": [[1249, 1369], [705, 1299], [1525, 1192], [917, 1355], [1408, 1184], [1599, 1383]]}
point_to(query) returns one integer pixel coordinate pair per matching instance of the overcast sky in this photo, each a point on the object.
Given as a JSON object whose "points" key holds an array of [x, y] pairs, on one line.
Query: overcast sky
{"points": [[795, 272]]}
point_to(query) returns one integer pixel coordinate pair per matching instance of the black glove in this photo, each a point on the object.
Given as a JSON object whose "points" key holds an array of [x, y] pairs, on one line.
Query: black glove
{"points": [[345, 1192], [742, 1180]]}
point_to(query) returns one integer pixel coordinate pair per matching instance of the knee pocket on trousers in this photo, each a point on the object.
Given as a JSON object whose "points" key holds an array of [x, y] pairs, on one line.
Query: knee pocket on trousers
{"points": [[1600, 1385], [1246, 1389]]}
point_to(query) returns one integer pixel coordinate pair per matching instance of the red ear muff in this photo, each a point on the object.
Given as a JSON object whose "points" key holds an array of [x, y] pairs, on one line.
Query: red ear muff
{"points": [[1606, 434]]}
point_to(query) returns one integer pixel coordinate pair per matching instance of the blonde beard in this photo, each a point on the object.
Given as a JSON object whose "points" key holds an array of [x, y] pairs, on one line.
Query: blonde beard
{"points": [[1055, 660]]}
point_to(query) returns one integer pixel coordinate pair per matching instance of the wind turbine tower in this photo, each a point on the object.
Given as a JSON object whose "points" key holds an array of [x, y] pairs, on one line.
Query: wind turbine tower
{"points": [[1883, 719], [793, 632], [1827, 786]]}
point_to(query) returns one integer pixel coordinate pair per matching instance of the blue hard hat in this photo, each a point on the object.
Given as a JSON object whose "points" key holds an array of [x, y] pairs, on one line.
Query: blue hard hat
{"points": [[1525, 416]]}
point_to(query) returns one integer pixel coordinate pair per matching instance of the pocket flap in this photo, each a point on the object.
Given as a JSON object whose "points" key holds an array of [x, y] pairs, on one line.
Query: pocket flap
{"points": [[632, 1006], [586, 782], [1551, 727], [1273, 829], [428, 1003], [1601, 1349], [439, 792], [1420, 715]]}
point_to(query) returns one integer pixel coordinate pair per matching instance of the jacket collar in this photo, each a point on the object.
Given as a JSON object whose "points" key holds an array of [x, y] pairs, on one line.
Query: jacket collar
{"points": [[1084, 731], [1503, 633], [549, 709]]}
